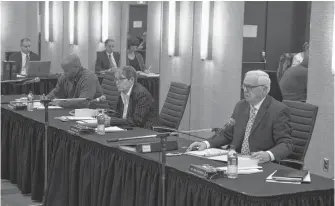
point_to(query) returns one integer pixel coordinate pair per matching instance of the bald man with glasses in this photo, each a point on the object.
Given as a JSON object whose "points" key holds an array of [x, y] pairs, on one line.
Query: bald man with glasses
{"points": [[76, 82], [261, 127]]}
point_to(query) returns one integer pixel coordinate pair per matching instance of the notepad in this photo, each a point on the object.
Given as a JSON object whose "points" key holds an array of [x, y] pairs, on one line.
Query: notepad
{"points": [[306, 179], [245, 170], [113, 129], [243, 161]]}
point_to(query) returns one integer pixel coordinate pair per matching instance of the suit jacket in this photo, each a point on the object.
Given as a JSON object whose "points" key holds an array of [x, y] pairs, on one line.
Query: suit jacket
{"points": [[17, 57], [102, 62], [141, 109], [271, 129]]}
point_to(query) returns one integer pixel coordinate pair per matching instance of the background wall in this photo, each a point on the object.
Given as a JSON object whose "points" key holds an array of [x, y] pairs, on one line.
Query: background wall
{"points": [[18, 20], [320, 89]]}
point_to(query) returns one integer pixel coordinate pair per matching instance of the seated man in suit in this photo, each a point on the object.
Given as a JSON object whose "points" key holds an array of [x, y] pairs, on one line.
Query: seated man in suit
{"points": [[108, 59], [23, 57], [261, 127], [135, 102], [76, 82], [293, 84]]}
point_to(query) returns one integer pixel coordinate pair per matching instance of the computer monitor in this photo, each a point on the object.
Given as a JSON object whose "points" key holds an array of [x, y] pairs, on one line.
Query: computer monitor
{"points": [[38, 68]]}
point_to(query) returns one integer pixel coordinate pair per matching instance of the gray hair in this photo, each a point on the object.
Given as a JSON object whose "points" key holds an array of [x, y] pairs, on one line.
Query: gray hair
{"points": [[262, 78], [128, 72]]}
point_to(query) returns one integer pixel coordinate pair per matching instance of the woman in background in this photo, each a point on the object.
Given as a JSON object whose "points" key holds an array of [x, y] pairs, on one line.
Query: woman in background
{"points": [[134, 58]]}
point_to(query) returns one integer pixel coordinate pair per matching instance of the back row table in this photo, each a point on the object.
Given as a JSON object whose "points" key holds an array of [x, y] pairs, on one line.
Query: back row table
{"points": [[86, 170]]}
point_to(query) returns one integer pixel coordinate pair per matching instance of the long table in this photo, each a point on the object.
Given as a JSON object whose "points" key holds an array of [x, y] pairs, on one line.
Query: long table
{"points": [[86, 170], [46, 84]]}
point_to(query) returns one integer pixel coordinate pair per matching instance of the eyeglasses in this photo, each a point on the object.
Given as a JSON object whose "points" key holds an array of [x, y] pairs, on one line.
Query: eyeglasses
{"points": [[120, 79], [249, 87]]}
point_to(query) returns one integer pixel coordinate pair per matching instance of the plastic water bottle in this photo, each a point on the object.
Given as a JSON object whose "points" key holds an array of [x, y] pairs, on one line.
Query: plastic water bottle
{"points": [[101, 123], [30, 102], [232, 166]]}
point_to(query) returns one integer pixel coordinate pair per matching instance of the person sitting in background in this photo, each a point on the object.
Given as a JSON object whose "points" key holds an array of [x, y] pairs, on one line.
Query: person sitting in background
{"points": [[298, 58], [142, 47], [134, 58], [107, 59], [76, 82], [23, 57], [135, 103], [293, 84], [261, 127]]}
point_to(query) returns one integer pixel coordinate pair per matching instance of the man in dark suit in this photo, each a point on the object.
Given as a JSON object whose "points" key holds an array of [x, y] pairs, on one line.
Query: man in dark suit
{"points": [[23, 57], [135, 102], [261, 127], [108, 59]]}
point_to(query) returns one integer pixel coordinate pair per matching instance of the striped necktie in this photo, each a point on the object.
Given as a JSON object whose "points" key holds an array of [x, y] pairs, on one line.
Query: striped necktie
{"points": [[245, 145]]}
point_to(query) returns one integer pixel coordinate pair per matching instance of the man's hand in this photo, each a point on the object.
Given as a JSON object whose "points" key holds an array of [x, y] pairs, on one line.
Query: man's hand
{"points": [[197, 146], [261, 156]]}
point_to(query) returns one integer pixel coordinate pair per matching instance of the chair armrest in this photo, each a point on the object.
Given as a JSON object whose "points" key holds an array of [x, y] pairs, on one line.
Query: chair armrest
{"points": [[288, 162]]}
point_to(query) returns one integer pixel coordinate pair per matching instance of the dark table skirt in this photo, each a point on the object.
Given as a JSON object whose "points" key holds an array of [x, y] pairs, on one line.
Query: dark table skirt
{"points": [[87, 171]]}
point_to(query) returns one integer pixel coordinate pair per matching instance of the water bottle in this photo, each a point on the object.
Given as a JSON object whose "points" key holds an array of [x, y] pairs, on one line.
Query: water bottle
{"points": [[101, 123], [232, 166], [30, 102]]}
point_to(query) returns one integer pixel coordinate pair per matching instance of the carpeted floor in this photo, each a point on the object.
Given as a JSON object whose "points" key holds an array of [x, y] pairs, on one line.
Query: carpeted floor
{"points": [[11, 196]]}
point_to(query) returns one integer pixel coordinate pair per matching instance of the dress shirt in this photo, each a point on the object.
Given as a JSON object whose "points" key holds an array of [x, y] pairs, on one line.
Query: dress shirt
{"points": [[257, 106], [23, 65], [113, 60], [125, 100]]}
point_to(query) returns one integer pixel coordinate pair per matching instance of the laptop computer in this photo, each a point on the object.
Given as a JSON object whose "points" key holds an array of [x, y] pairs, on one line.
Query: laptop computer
{"points": [[38, 68]]}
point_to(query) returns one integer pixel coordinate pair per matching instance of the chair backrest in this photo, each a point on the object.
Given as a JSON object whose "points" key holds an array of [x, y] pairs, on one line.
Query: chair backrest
{"points": [[303, 117], [9, 53], [174, 105], [110, 90]]}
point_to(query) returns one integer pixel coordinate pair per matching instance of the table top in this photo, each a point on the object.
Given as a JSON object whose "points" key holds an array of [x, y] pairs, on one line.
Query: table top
{"points": [[252, 184]]}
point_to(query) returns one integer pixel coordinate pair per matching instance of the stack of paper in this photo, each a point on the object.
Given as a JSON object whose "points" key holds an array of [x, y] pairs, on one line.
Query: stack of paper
{"points": [[243, 161], [113, 129], [245, 170], [148, 74], [211, 152], [69, 118], [39, 105]]}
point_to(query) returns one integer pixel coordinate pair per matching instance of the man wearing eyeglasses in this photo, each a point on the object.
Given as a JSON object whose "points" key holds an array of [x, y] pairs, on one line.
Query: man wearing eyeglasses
{"points": [[135, 103], [261, 127]]}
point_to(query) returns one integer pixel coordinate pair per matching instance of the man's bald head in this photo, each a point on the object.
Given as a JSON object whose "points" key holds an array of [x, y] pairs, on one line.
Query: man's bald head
{"points": [[71, 65]]}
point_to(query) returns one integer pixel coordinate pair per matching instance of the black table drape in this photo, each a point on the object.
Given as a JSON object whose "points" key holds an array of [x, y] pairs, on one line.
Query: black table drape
{"points": [[85, 170]]}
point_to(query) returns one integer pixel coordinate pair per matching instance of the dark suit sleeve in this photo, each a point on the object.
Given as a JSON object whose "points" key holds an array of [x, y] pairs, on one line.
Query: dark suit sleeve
{"points": [[34, 57], [98, 67], [141, 109], [118, 59], [282, 135], [88, 90], [223, 136]]}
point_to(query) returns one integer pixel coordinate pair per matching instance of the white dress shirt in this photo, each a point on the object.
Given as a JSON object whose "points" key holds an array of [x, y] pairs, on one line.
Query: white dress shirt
{"points": [[23, 64], [257, 106], [113, 60], [125, 100]]}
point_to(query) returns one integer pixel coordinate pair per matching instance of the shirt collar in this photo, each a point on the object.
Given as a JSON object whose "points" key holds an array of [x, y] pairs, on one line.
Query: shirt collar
{"points": [[77, 75], [23, 54], [258, 105], [108, 53]]}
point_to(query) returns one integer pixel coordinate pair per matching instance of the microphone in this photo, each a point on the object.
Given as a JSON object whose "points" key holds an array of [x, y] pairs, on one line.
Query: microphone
{"points": [[231, 122], [99, 99], [174, 131], [35, 80]]}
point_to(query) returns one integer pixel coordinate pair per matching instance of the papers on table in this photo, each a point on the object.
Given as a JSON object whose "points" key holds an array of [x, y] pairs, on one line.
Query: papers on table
{"points": [[71, 118], [208, 152], [39, 105], [113, 129], [148, 75], [245, 170], [243, 161], [307, 179]]}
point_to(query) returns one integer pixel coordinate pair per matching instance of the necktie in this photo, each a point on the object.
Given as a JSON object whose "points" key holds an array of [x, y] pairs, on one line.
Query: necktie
{"points": [[27, 62], [245, 145], [111, 64]]}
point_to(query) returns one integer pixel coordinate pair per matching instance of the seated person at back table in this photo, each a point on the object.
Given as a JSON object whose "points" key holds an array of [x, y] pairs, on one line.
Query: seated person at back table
{"points": [[107, 59], [293, 84], [134, 58], [76, 82], [261, 126], [135, 102], [23, 57]]}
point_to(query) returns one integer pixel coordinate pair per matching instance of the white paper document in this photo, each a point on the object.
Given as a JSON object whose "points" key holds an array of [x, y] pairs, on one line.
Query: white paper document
{"points": [[113, 129], [148, 75], [245, 170], [39, 105], [211, 152], [243, 161]]}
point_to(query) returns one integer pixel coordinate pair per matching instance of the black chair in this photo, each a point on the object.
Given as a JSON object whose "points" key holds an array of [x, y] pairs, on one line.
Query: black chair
{"points": [[110, 90], [174, 107], [303, 117]]}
